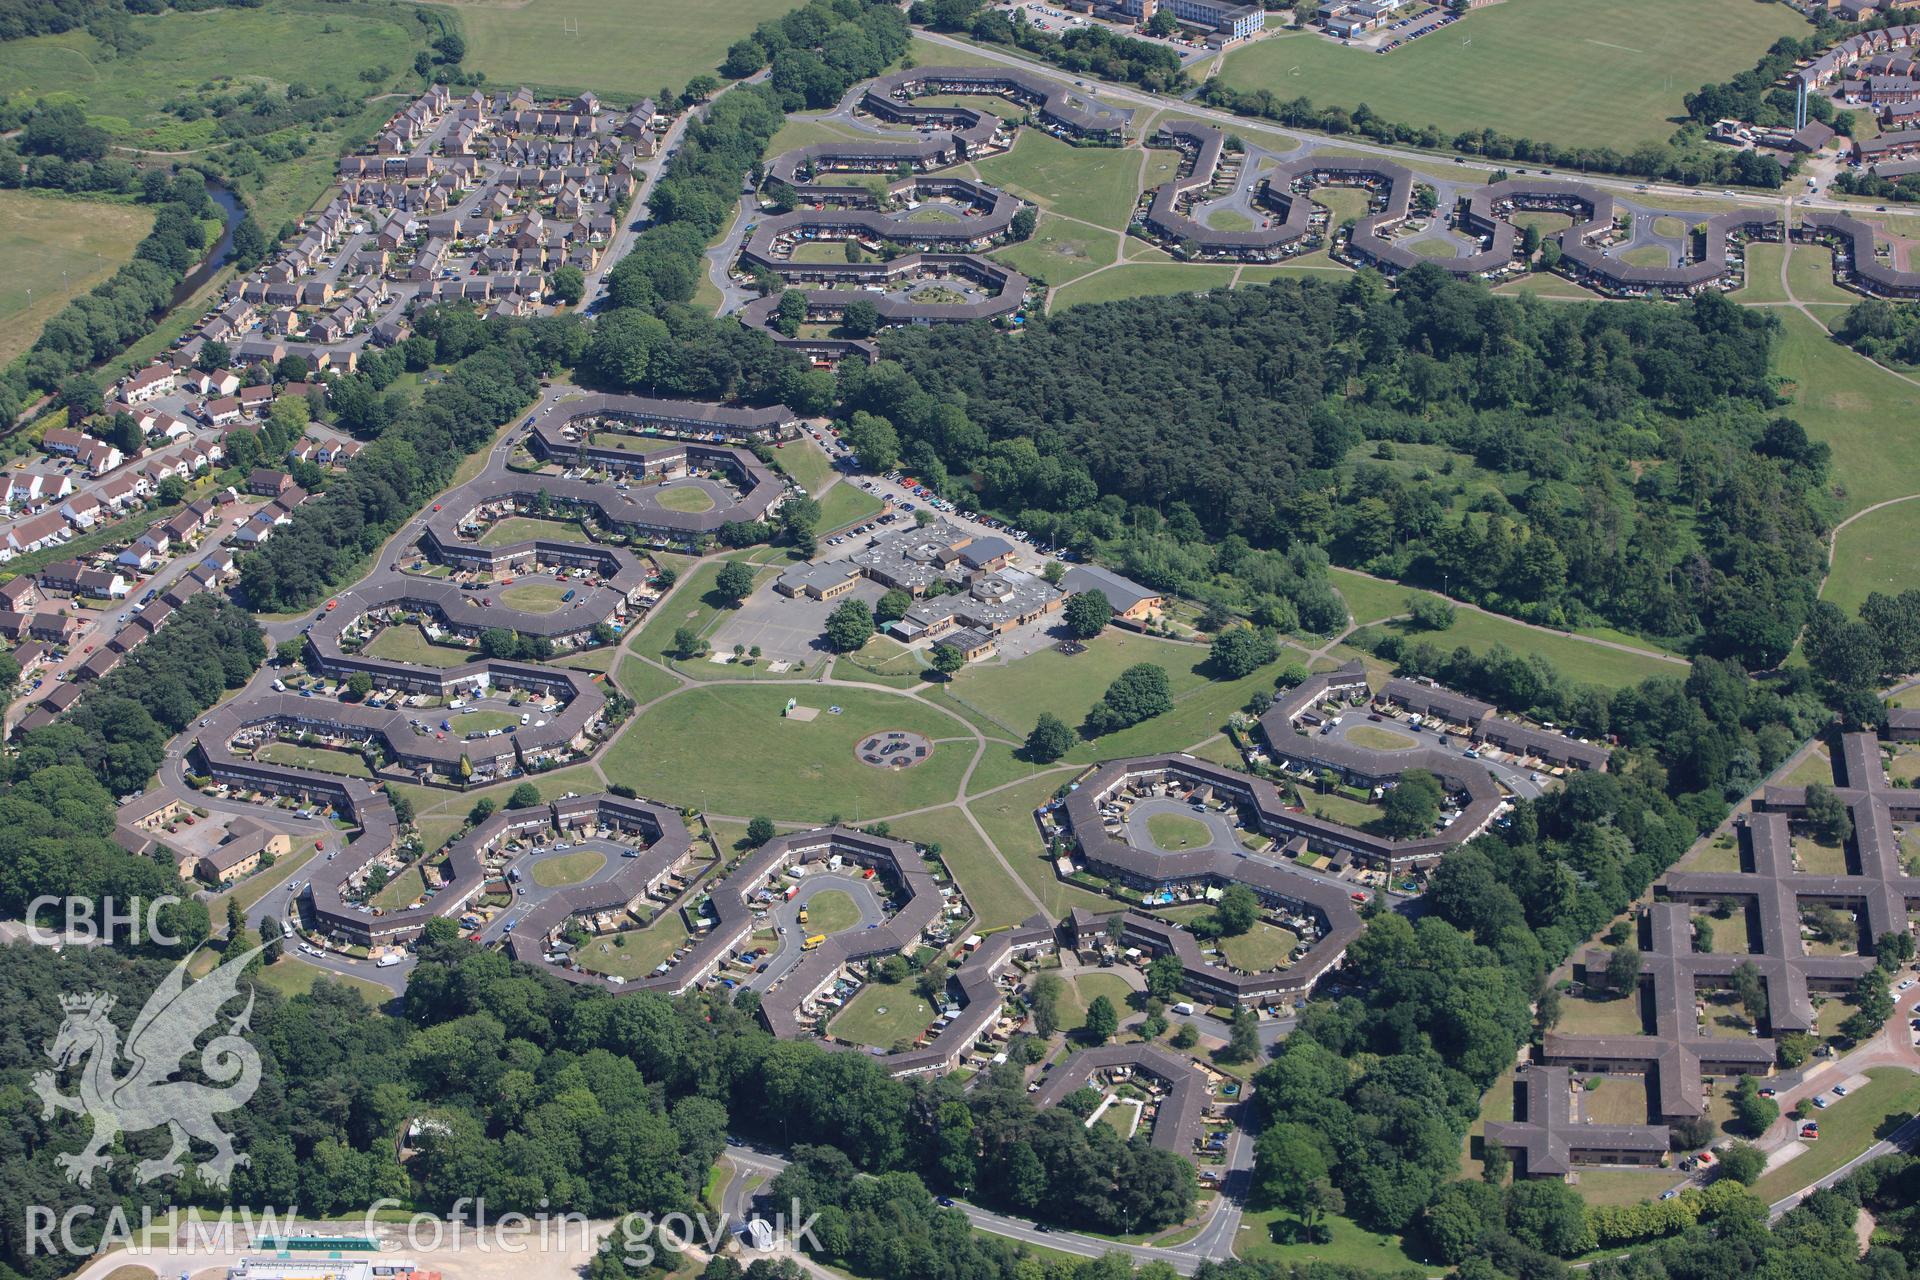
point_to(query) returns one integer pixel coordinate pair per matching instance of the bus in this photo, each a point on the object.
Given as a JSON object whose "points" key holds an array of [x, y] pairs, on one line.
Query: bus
{"points": [[813, 942]]}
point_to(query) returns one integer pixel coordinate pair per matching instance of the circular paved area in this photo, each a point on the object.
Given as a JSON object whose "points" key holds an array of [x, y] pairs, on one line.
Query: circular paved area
{"points": [[894, 749]]}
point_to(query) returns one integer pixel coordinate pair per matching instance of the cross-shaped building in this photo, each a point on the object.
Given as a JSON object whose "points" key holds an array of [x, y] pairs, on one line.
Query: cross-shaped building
{"points": [[1672, 973]]}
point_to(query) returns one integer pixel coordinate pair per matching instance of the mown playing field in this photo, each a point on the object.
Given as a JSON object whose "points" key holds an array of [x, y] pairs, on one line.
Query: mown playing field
{"points": [[1607, 74], [52, 250], [624, 49], [728, 749], [218, 51]]}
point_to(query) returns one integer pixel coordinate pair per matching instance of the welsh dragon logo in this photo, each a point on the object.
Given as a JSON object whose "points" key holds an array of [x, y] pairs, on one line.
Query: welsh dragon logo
{"points": [[158, 1045]]}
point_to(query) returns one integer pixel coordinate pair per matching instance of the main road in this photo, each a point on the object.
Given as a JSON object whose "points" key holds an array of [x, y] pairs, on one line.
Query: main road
{"points": [[756, 1167]]}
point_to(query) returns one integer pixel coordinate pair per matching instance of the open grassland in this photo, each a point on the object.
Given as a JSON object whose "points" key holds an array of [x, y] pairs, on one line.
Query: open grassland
{"points": [[994, 895], [1094, 184], [1272, 1236], [1610, 77], [783, 767], [806, 463], [1007, 817], [213, 52], [1581, 661], [1141, 279], [1060, 250], [53, 249], [625, 49], [1877, 552], [1847, 401], [292, 976], [1015, 694]]}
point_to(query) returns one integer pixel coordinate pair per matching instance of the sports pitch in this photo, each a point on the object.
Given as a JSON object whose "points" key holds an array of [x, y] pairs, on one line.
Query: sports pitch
{"points": [[1609, 74]]}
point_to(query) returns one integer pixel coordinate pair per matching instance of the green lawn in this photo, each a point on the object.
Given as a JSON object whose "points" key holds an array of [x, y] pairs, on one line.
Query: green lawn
{"points": [[1578, 660], [1269, 1236], [527, 528], [219, 51], [1094, 184], [1263, 947], [1547, 285], [53, 249], [882, 1016], [1878, 552], [784, 768], [991, 891], [622, 48], [1618, 1100], [634, 953], [831, 911], [1647, 255], [1626, 1186], [642, 681], [883, 660], [684, 497], [292, 976], [1584, 1016], [1366, 735], [1848, 1127], [1611, 82], [1176, 831], [1763, 274], [1810, 275], [1015, 694], [319, 759], [408, 643], [846, 504], [1847, 401], [557, 871], [695, 604], [1059, 250], [806, 463], [1007, 817], [1084, 990], [1141, 279], [1730, 936], [532, 597], [482, 721], [821, 251], [406, 887]]}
